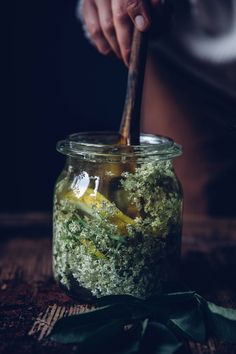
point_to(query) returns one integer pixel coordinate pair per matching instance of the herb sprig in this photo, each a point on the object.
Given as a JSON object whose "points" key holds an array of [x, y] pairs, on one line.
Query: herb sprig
{"points": [[127, 325]]}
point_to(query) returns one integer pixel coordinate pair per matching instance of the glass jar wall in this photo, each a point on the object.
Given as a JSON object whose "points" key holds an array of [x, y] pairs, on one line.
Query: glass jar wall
{"points": [[117, 216]]}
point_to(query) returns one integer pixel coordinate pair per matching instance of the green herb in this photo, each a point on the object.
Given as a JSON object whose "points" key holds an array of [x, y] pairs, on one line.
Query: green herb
{"points": [[157, 325], [100, 247]]}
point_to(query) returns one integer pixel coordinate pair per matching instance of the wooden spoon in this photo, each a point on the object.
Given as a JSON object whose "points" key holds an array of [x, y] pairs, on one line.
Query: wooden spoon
{"points": [[130, 124]]}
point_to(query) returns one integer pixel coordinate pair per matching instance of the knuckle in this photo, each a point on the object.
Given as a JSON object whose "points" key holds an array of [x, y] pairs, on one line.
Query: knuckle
{"points": [[133, 5], [95, 32], [104, 49], [108, 26], [126, 51], [120, 16]]}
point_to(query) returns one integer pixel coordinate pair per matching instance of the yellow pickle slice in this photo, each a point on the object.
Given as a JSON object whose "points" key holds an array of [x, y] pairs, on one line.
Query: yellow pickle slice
{"points": [[92, 249], [90, 200]]}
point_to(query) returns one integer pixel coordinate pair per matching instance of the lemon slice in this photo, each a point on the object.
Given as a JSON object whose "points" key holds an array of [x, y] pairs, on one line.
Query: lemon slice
{"points": [[89, 200], [92, 249]]}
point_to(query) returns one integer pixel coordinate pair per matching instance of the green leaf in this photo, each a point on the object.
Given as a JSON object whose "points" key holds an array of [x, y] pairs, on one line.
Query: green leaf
{"points": [[103, 338], [135, 307], [76, 329], [156, 324], [119, 239], [182, 313], [164, 305], [90, 336], [158, 339], [176, 298], [189, 322], [220, 321], [134, 346]]}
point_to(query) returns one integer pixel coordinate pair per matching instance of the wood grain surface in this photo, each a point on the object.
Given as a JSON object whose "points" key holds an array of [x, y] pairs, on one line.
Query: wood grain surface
{"points": [[31, 302]]}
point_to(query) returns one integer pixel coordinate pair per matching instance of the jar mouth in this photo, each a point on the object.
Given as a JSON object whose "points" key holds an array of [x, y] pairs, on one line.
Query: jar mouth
{"points": [[103, 144]]}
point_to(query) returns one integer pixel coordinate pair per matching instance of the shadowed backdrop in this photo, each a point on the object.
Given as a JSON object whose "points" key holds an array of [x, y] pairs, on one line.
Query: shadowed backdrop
{"points": [[58, 84]]}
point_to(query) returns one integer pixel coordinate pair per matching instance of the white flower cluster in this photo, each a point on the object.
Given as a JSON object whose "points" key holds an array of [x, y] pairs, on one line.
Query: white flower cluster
{"points": [[90, 251]]}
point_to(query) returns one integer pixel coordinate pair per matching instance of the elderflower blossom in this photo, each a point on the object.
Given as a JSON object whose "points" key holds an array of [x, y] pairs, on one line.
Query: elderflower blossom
{"points": [[91, 251]]}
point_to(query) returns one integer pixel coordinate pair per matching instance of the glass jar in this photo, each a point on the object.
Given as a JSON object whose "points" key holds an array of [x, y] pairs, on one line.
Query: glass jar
{"points": [[117, 216]]}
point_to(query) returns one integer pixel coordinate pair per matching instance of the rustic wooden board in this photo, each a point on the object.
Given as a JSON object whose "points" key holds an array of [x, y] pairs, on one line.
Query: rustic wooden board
{"points": [[31, 302]]}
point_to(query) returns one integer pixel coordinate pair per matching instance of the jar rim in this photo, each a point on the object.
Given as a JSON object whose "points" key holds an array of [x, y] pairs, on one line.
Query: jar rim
{"points": [[103, 144]]}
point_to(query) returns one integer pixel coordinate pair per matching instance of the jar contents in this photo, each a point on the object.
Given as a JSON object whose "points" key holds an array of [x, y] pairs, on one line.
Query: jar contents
{"points": [[117, 231]]}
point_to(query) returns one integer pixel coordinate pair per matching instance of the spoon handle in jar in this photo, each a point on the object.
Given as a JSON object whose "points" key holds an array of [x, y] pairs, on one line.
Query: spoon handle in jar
{"points": [[130, 123]]}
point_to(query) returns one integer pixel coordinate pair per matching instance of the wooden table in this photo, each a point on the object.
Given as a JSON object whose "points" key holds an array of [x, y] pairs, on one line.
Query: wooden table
{"points": [[30, 301]]}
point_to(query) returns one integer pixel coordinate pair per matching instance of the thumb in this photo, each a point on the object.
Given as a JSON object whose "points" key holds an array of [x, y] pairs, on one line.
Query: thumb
{"points": [[139, 14]]}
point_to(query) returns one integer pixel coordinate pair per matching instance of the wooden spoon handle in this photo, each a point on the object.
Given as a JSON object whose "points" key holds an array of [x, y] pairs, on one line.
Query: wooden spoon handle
{"points": [[130, 124]]}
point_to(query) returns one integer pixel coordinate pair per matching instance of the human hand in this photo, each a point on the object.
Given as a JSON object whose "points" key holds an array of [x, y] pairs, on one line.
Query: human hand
{"points": [[109, 23]]}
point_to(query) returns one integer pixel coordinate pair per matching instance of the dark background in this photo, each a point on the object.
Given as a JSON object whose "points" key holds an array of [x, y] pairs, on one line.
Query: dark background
{"points": [[58, 84]]}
